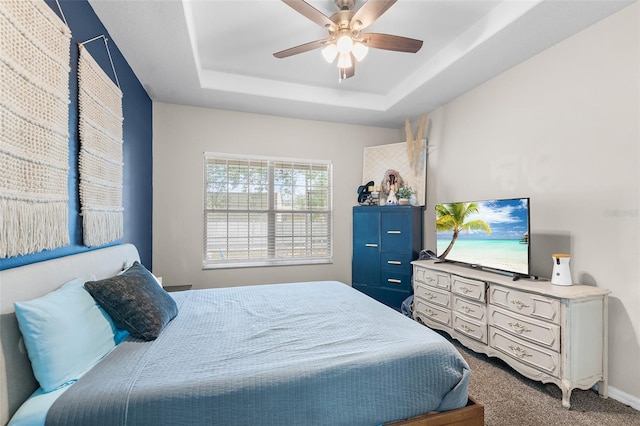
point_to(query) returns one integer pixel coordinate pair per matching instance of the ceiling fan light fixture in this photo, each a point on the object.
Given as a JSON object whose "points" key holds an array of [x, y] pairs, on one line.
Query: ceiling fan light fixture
{"points": [[345, 40], [344, 60], [344, 44], [359, 51], [330, 52]]}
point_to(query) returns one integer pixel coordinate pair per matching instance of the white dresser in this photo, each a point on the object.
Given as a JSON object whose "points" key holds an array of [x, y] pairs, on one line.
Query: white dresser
{"points": [[550, 333]]}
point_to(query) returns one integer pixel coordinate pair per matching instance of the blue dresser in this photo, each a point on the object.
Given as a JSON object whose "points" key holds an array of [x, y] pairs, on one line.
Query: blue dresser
{"points": [[385, 241]]}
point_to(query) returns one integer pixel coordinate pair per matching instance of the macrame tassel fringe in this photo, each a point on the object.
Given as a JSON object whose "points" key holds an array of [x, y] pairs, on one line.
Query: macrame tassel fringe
{"points": [[102, 227], [29, 227]]}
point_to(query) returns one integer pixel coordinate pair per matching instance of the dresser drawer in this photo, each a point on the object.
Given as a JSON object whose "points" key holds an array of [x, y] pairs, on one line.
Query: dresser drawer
{"points": [[528, 304], [395, 232], [525, 352], [540, 332], [395, 280], [474, 329], [473, 309], [433, 278], [472, 289], [431, 312], [430, 294], [400, 262]]}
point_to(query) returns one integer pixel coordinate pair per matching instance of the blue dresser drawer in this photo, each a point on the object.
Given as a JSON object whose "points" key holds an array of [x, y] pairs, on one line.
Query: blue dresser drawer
{"points": [[395, 232], [395, 280], [396, 262]]}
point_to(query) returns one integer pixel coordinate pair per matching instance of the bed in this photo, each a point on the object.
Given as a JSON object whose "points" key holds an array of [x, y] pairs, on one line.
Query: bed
{"points": [[295, 353]]}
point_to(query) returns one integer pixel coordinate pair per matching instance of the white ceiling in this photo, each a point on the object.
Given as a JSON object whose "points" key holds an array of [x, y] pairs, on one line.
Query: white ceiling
{"points": [[219, 54]]}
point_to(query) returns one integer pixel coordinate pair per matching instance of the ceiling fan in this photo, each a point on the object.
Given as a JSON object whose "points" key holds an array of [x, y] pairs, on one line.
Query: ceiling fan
{"points": [[346, 40]]}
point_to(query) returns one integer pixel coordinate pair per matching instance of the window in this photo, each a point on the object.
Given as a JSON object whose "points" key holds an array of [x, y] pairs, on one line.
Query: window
{"points": [[266, 211]]}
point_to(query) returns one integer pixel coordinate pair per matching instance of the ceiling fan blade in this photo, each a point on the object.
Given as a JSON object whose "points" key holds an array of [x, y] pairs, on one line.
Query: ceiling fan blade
{"points": [[301, 48], [392, 42], [310, 12], [370, 11]]}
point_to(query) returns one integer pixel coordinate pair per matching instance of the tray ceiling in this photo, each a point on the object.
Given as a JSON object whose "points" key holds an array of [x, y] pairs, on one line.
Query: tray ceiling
{"points": [[219, 54]]}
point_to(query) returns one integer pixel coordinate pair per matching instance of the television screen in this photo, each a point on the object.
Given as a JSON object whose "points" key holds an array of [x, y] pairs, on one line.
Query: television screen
{"points": [[491, 234]]}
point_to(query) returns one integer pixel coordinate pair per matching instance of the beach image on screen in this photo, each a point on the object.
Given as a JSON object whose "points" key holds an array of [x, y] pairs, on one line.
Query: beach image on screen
{"points": [[491, 234]]}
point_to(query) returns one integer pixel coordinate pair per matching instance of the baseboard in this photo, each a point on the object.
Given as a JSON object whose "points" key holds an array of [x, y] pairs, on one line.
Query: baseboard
{"points": [[625, 398]]}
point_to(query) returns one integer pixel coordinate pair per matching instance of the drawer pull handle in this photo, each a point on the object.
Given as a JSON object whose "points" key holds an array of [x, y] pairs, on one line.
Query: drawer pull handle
{"points": [[394, 281], [519, 328], [466, 328], [430, 295], [430, 279], [465, 290], [519, 352], [371, 245], [467, 309], [519, 304], [394, 232], [394, 262], [431, 313]]}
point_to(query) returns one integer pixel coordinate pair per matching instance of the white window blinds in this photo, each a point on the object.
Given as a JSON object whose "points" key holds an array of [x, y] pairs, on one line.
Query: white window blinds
{"points": [[266, 211]]}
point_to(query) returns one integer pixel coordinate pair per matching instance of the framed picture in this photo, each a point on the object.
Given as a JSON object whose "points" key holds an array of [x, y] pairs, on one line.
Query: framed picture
{"points": [[410, 167]]}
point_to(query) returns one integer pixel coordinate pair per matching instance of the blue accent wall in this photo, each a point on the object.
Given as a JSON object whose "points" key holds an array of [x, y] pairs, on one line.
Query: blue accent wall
{"points": [[137, 147]]}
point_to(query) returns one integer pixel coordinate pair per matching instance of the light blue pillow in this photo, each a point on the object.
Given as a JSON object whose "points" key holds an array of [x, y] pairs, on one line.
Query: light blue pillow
{"points": [[65, 332]]}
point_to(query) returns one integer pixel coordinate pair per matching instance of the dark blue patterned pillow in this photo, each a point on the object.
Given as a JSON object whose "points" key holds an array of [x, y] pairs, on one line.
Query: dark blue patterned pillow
{"points": [[135, 302]]}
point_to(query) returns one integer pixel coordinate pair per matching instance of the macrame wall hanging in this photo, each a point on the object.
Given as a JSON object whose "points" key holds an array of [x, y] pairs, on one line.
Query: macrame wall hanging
{"points": [[100, 162], [34, 128]]}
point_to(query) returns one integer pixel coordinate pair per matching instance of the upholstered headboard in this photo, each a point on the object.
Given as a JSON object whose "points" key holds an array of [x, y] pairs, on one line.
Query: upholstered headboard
{"points": [[27, 282]]}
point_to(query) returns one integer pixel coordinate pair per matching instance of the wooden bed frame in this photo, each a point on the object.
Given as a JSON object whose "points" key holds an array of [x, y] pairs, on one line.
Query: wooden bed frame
{"points": [[471, 415], [17, 382]]}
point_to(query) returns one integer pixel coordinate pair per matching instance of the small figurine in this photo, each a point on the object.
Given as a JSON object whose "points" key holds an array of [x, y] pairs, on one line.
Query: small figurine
{"points": [[392, 199], [390, 184]]}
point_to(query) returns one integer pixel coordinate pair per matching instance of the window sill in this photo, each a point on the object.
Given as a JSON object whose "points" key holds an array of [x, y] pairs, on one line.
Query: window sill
{"points": [[264, 263]]}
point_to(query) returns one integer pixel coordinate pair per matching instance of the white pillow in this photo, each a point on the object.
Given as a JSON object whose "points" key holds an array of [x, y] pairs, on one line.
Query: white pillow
{"points": [[65, 332]]}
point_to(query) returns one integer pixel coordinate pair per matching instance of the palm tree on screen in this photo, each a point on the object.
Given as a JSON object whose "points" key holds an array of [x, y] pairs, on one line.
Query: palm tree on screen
{"points": [[452, 217]]}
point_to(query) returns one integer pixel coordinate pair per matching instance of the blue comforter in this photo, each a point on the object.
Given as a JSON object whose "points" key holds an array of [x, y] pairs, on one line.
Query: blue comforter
{"points": [[317, 353]]}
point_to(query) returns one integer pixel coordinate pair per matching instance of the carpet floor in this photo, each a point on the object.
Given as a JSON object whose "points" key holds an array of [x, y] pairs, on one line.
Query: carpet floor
{"points": [[511, 399]]}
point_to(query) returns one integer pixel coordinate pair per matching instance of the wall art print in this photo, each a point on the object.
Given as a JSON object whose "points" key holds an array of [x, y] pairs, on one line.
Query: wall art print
{"points": [[378, 160]]}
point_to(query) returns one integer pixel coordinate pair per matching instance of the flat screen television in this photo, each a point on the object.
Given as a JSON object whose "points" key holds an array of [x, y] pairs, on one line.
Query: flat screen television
{"points": [[491, 234]]}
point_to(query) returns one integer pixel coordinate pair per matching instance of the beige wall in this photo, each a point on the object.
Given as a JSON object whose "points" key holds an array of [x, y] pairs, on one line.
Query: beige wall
{"points": [[563, 129], [181, 136]]}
